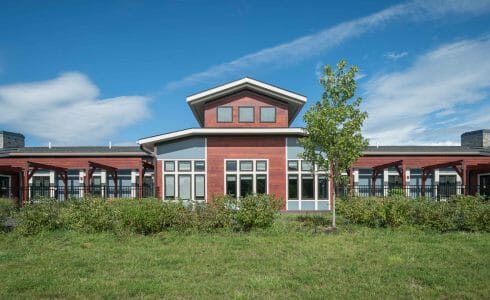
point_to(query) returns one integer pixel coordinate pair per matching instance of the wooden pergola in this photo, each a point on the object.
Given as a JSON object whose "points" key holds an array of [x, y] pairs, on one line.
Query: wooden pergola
{"points": [[398, 165], [458, 165], [32, 167]]}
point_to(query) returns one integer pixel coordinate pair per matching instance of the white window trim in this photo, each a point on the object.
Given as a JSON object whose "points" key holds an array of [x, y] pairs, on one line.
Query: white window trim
{"points": [[316, 173], [192, 173], [254, 174]]}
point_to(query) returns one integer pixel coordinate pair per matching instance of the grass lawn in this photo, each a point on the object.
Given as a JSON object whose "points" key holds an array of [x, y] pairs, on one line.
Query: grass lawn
{"points": [[354, 262]]}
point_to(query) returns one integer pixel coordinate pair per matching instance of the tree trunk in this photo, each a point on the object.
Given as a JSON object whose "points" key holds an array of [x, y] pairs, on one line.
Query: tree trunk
{"points": [[332, 180]]}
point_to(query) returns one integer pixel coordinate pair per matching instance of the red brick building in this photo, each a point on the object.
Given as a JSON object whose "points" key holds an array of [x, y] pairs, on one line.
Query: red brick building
{"points": [[244, 145]]}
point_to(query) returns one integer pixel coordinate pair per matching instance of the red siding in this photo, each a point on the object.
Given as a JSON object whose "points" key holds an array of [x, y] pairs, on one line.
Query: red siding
{"points": [[246, 98], [247, 147], [76, 162]]}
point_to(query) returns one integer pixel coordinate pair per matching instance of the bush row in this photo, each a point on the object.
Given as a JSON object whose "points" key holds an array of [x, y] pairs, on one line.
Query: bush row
{"points": [[147, 216], [466, 213]]}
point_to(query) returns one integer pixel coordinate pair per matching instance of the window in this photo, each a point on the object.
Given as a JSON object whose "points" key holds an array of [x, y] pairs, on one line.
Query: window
{"points": [[184, 179], [322, 187], [199, 187], [306, 165], [169, 166], [184, 166], [308, 187], [231, 185], [293, 187], [246, 165], [224, 114], [261, 165], [245, 114], [169, 187], [185, 187], [231, 165], [199, 166], [268, 114], [242, 179], [261, 184], [292, 165], [246, 185]]}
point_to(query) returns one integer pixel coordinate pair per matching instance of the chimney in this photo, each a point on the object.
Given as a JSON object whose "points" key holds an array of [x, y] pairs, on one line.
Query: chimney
{"points": [[9, 140], [476, 139]]}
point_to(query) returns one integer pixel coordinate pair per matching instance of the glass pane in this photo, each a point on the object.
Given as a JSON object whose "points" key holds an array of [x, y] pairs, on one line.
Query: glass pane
{"points": [[246, 165], [306, 165], [185, 187], [199, 182], [169, 187], [261, 165], [261, 184], [231, 165], [293, 187], [184, 166], [231, 185], [307, 187], [293, 205], [199, 166], [292, 165], [307, 205], [267, 114], [169, 166], [246, 185], [245, 114], [225, 114], [323, 205], [322, 187]]}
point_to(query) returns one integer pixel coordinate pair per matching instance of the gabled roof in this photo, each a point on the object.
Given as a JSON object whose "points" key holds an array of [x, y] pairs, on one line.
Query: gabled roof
{"points": [[196, 101], [152, 140]]}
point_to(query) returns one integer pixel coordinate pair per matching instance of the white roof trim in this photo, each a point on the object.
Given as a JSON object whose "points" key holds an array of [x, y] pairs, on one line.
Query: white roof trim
{"points": [[243, 81], [220, 131]]}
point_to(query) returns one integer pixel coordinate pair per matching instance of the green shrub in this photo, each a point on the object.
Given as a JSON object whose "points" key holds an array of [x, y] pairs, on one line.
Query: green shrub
{"points": [[44, 214], [7, 207], [398, 191], [217, 214], [459, 213], [256, 211], [91, 215]]}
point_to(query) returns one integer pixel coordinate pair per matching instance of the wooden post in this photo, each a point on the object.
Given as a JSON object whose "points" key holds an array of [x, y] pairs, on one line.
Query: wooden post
{"points": [[25, 186], [422, 190], [114, 178], [140, 182], [373, 179], [464, 178], [404, 179]]}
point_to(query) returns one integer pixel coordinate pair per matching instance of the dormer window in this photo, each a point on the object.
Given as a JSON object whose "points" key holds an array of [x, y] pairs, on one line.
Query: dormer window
{"points": [[267, 114], [224, 114], [245, 114]]}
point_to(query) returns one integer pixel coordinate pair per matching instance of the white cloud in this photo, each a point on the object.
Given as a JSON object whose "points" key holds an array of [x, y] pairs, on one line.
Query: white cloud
{"points": [[310, 45], [395, 56], [404, 107], [65, 110]]}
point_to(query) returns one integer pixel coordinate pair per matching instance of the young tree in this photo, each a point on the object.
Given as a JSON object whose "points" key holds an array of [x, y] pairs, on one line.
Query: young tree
{"points": [[333, 125]]}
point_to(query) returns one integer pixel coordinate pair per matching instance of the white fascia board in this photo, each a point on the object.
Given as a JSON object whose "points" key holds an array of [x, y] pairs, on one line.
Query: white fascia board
{"points": [[245, 81], [220, 131]]}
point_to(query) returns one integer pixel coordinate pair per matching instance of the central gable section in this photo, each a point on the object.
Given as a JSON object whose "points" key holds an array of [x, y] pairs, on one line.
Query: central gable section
{"points": [[245, 109], [246, 103]]}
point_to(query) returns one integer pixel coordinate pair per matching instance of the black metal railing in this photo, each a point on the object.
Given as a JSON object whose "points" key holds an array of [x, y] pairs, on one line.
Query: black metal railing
{"points": [[436, 192], [76, 192]]}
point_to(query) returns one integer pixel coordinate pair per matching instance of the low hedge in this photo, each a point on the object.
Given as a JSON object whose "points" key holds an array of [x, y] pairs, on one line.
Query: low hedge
{"points": [[467, 213], [147, 216]]}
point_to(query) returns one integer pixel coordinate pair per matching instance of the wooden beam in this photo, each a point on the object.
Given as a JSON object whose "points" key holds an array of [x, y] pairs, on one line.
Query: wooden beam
{"points": [[387, 165], [443, 165], [96, 165], [45, 167]]}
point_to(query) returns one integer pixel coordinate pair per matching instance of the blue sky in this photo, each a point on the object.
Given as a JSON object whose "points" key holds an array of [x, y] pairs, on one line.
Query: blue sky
{"points": [[90, 72]]}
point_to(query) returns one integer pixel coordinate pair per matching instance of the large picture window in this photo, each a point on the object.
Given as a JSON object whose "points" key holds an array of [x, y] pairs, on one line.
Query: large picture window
{"points": [[307, 186], [184, 179], [224, 114], [246, 176]]}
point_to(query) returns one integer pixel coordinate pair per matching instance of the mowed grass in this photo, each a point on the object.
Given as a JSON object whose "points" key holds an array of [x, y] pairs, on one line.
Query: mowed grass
{"points": [[354, 262]]}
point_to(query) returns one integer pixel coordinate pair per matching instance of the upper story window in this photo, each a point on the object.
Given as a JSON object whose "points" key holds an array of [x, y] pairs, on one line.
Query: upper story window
{"points": [[224, 114], [245, 114], [267, 114]]}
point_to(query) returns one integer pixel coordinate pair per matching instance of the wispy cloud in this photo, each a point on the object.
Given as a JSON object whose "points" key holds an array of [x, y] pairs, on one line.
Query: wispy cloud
{"points": [[395, 56], [310, 45], [65, 110], [417, 105]]}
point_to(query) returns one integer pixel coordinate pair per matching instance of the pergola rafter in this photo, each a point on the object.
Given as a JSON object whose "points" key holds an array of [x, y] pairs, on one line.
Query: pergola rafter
{"points": [[458, 165], [398, 165], [95, 165], [60, 171]]}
